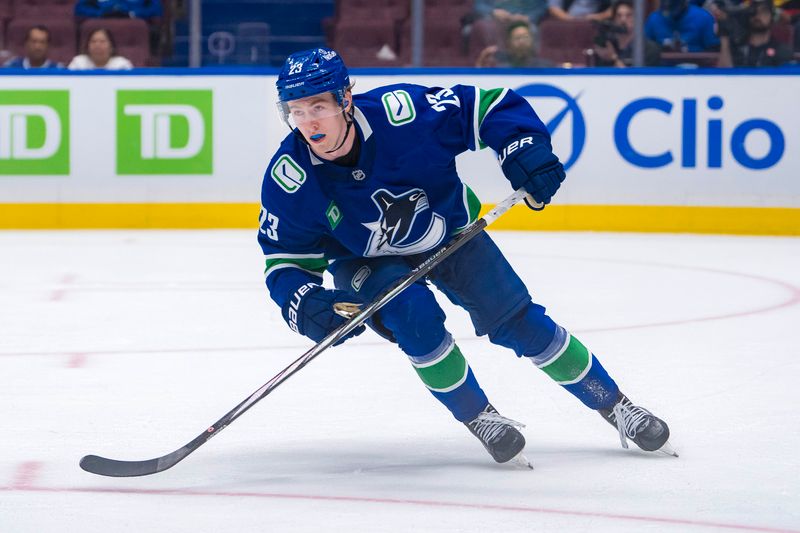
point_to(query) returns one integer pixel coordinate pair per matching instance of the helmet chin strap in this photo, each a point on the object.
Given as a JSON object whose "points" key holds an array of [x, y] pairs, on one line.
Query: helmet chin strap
{"points": [[349, 120]]}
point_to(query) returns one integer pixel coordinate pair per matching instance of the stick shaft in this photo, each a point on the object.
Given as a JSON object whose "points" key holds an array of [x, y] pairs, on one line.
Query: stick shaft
{"points": [[112, 467]]}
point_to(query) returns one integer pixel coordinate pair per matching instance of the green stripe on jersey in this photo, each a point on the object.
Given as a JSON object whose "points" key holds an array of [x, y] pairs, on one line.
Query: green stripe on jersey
{"points": [[472, 204], [445, 373], [314, 264], [570, 365], [486, 100]]}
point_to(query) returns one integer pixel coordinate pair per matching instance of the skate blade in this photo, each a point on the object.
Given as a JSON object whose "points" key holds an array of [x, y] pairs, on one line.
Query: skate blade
{"points": [[521, 461], [667, 449]]}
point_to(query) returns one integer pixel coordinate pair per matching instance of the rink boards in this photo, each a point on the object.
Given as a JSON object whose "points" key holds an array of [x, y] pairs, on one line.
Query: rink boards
{"points": [[693, 151]]}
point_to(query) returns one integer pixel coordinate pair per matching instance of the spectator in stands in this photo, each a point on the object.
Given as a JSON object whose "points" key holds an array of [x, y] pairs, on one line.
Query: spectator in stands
{"points": [[507, 12], [520, 50], [100, 53], [37, 46], [757, 48], [579, 9], [141, 9], [681, 27], [613, 44]]}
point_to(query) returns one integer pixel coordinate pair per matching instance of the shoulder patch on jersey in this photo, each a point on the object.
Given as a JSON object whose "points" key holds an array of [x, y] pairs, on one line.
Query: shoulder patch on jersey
{"points": [[399, 107], [288, 174]]}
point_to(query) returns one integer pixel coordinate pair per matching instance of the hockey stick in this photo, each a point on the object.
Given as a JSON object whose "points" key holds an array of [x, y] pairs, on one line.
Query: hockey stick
{"points": [[115, 468]]}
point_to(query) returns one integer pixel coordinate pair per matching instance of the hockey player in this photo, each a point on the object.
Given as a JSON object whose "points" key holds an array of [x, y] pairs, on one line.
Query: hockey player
{"points": [[365, 186]]}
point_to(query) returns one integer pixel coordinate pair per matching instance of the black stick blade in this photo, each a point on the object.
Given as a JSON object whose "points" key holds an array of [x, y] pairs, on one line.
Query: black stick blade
{"points": [[113, 468]]}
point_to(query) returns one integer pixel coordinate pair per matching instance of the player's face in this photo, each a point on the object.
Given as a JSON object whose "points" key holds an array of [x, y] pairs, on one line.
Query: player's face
{"points": [[320, 119]]}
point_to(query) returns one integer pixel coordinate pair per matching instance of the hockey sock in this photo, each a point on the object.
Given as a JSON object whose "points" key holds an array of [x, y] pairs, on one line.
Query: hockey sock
{"points": [[448, 376], [570, 364]]}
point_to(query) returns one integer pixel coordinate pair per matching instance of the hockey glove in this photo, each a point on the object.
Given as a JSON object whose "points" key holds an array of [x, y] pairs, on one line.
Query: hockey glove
{"points": [[529, 162], [315, 312]]}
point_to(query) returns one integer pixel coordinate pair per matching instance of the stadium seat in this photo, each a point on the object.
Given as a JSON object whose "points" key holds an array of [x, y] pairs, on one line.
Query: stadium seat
{"points": [[6, 12], [565, 41], [131, 36], [44, 10], [445, 43], [359, 44], [783, 33], [371, 9], [62, 37], [482, 33]]}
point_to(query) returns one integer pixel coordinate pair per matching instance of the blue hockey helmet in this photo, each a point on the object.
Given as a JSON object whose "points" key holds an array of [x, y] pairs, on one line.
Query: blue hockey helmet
{"points": [[310, 72]]}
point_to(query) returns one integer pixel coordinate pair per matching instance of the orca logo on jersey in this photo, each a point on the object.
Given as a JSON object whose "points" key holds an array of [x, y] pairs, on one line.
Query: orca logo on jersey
{"points": [[396, 232]]}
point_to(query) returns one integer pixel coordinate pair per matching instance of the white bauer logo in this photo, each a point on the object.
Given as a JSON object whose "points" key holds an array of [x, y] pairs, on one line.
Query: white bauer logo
{"points": [[14, 132], [156, 130]]}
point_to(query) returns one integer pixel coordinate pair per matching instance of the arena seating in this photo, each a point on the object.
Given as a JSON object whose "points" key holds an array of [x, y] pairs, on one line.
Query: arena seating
{"points": [[62, 36], [67, 34], [130, 35], [565, 41]]}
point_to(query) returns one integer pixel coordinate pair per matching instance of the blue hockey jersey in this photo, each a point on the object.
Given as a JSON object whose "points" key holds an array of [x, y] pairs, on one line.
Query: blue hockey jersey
{"points": [[403, 196]]}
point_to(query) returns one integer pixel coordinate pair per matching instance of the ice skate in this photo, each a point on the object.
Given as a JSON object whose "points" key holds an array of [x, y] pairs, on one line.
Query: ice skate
{"points": [[649, 432], [500, 436]]}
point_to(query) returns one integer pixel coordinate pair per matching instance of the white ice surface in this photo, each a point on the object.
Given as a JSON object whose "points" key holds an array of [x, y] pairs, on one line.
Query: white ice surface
{"points": [[128, 344]]}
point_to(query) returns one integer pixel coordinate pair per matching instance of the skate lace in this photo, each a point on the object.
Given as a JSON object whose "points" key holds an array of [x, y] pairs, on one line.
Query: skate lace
{"points": [[629, 419], [490, 425]]}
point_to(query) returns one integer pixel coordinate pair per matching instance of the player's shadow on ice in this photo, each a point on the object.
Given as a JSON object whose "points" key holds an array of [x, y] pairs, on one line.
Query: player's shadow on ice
{"points": [[379, 461]]}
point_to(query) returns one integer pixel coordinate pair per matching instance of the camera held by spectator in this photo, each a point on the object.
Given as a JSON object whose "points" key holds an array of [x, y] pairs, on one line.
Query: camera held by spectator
{"points": [[735, 20], [747, 40], [608, 32], [613, 41]]}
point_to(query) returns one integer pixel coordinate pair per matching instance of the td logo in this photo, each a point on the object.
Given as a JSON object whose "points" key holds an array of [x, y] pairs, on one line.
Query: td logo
{"points": [[34, 132], [164, 132]]}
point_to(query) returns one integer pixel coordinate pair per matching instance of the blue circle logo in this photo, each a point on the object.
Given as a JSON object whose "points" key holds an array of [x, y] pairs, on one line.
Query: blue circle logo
{"points": [[540, 90]]}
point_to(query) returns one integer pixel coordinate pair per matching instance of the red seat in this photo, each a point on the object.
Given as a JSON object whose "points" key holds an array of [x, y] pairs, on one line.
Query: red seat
{"points": [[44, 10], [62, 37], [359, 44], [6, 12], [6, 9], [484, 32], [444, 45], [131, 36], [565, 41], [373, 9], [783, 33]]}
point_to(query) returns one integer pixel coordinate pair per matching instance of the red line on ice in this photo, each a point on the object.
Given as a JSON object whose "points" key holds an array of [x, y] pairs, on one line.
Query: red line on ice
{"points": [[77, 360], [398, 501], [793, 298], [25, 475], [58, 294]]}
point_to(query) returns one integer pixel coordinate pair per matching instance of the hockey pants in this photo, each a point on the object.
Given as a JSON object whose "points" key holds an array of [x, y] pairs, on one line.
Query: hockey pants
{"points": [[478, 278]]}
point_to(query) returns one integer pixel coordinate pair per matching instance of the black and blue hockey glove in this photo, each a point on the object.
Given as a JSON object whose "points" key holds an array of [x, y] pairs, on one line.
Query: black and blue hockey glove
{"points": [[312, 311], [529, 162]]}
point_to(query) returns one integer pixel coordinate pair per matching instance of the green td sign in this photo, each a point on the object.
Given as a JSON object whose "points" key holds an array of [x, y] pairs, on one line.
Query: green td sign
{"points": [[164, 132], [34, 132]]}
